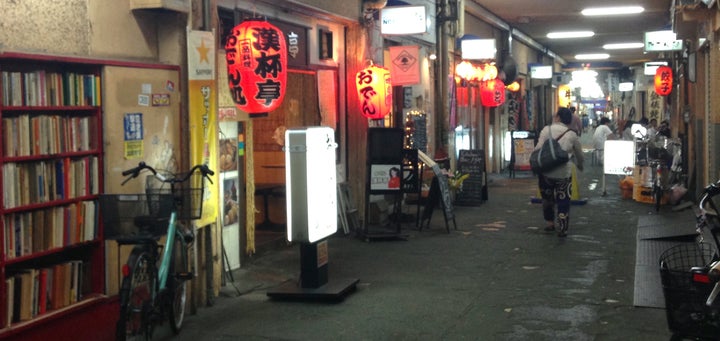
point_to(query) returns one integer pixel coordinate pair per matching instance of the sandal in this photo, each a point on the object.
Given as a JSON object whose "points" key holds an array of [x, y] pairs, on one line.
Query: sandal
{"points": [[550, 228]]}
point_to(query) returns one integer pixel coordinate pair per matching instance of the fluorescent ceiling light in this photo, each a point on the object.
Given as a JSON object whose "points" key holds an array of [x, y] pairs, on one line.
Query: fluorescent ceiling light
{"points": [[612, 10], [621, 46], [588, 56], [574, 34]]}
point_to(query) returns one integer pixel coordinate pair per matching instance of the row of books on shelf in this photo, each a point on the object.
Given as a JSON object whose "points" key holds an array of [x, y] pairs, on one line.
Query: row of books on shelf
{"points": [[51, 228], [34, 292], [27, 135], [27, 183], [42, 88]]}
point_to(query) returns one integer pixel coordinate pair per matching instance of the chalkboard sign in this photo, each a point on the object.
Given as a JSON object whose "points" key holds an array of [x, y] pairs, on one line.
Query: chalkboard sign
{"points": [[444, 192], [439, 193], [474, 188]]}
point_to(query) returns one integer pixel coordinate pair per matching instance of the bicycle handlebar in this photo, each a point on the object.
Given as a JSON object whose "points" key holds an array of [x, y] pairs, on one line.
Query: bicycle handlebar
{"points": [[135, 171]]}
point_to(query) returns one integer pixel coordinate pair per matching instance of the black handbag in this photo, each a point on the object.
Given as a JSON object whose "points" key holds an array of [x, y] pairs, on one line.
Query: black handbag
{"points": [[549, 156]]}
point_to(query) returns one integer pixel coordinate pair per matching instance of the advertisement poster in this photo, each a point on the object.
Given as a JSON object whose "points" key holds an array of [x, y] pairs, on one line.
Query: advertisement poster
{"points": [[202, 105], [385, 177]]}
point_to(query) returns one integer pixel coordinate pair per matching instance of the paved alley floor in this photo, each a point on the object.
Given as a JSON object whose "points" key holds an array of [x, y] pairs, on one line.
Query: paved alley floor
{"points": [[498, 276]]}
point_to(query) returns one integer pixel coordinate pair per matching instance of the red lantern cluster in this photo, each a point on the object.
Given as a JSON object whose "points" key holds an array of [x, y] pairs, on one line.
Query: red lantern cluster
{"points": [[663, 80], [374, 91], [257, 66], [492, 92]]}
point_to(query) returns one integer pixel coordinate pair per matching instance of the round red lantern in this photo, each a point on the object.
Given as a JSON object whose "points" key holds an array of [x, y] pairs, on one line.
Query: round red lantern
{"points": [[492, 92], [663, 80], [374, 91], [256, 57]]}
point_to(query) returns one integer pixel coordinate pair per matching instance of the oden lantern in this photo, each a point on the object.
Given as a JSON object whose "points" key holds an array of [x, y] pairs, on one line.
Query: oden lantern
{"points": [[374, 91], [663, 80], [257, 66], [492, 92]]}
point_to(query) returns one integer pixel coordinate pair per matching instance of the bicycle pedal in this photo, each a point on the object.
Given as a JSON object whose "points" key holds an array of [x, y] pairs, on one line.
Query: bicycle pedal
{"points": [[185, 276]]}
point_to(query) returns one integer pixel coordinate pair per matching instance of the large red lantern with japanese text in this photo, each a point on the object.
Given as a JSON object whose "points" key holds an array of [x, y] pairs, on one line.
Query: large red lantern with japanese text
{"points": [[257, 66], [663, 80], [374, 91], [492, 92]]}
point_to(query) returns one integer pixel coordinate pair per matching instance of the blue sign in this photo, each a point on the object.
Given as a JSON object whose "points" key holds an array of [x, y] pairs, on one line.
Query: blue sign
{"points": [[133, 125]]}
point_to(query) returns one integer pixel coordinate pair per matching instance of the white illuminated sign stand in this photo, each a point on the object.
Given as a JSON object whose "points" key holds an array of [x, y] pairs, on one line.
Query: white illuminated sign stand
{"points": [[312, 212], [619, 158]]}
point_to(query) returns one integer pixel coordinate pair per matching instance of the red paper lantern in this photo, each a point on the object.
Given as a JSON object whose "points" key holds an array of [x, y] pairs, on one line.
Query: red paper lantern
{"points": [[492, 92], [256, 56], [663, 80], [374, 91]]}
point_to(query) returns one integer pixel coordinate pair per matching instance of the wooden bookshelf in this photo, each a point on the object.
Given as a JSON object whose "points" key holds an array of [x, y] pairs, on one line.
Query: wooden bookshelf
{"points": [[51, 255]]}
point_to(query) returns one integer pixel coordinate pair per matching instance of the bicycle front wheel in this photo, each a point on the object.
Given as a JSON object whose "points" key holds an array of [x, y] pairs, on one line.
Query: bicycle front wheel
{"points": [[177, 284], [136, 297]]}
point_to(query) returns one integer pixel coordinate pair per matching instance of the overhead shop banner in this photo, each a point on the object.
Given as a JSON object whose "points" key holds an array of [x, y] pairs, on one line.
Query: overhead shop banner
{"points": [[202, 108], [405, 65]]}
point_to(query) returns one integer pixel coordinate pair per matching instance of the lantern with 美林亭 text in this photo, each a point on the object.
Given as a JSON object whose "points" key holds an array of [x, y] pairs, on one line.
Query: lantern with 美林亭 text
{"points": [[374, 91], [256, 58], [663, 80], [492, 92]]}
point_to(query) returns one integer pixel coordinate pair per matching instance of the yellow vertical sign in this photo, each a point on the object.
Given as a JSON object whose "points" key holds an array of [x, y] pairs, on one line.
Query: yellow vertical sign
{"points": [[202, 106]]}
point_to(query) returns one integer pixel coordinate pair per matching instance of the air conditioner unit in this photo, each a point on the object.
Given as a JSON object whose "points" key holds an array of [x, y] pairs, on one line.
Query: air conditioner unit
{"points": [[171, 5]]}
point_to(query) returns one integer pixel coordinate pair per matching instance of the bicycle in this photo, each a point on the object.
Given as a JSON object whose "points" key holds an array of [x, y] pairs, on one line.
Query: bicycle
{"points": [[690, 275], [663, 156], [154, 278]]}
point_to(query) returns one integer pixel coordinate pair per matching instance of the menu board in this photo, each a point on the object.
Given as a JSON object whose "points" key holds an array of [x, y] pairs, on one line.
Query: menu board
{"points": [[523, 148], [474, 188]]}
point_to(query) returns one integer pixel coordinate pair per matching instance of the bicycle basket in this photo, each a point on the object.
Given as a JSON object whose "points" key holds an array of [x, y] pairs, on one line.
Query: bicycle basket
{"points": [[188, 196], [119, 212], [685, 298]]}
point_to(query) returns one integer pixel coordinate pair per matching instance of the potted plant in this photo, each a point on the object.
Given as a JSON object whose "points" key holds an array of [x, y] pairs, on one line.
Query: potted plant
{"points": [[455, 181]]}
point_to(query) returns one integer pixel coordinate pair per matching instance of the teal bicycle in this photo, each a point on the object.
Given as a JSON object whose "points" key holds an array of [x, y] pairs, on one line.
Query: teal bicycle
{"points": [[154, 279]]}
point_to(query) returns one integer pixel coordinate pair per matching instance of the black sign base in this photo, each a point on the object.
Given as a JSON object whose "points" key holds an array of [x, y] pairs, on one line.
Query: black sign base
{"points": [[314, 283], [334, 291]]}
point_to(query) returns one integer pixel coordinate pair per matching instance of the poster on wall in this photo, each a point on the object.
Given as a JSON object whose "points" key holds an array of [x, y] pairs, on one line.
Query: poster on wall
{"points": [[228, 155], [405, 65], [202, 106], [654, 105], [133, 136], [231, 207]]}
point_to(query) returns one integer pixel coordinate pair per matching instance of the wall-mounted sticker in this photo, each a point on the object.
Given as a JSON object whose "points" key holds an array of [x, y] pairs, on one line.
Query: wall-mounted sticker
{"points": [[227, 114], [170, 86], [144, 100], [241, 144], [160, 100], [146, 88], [134, 149]]}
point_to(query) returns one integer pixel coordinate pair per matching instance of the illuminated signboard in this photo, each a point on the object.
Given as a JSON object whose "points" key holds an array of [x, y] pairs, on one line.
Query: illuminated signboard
{"points": [[310, 180], [478, 48], [662, 41], [403, 20], [541, 71]]}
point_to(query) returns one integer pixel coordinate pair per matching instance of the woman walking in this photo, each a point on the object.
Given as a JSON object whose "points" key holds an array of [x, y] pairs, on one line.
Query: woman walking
{"points": [[555, 185]]}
